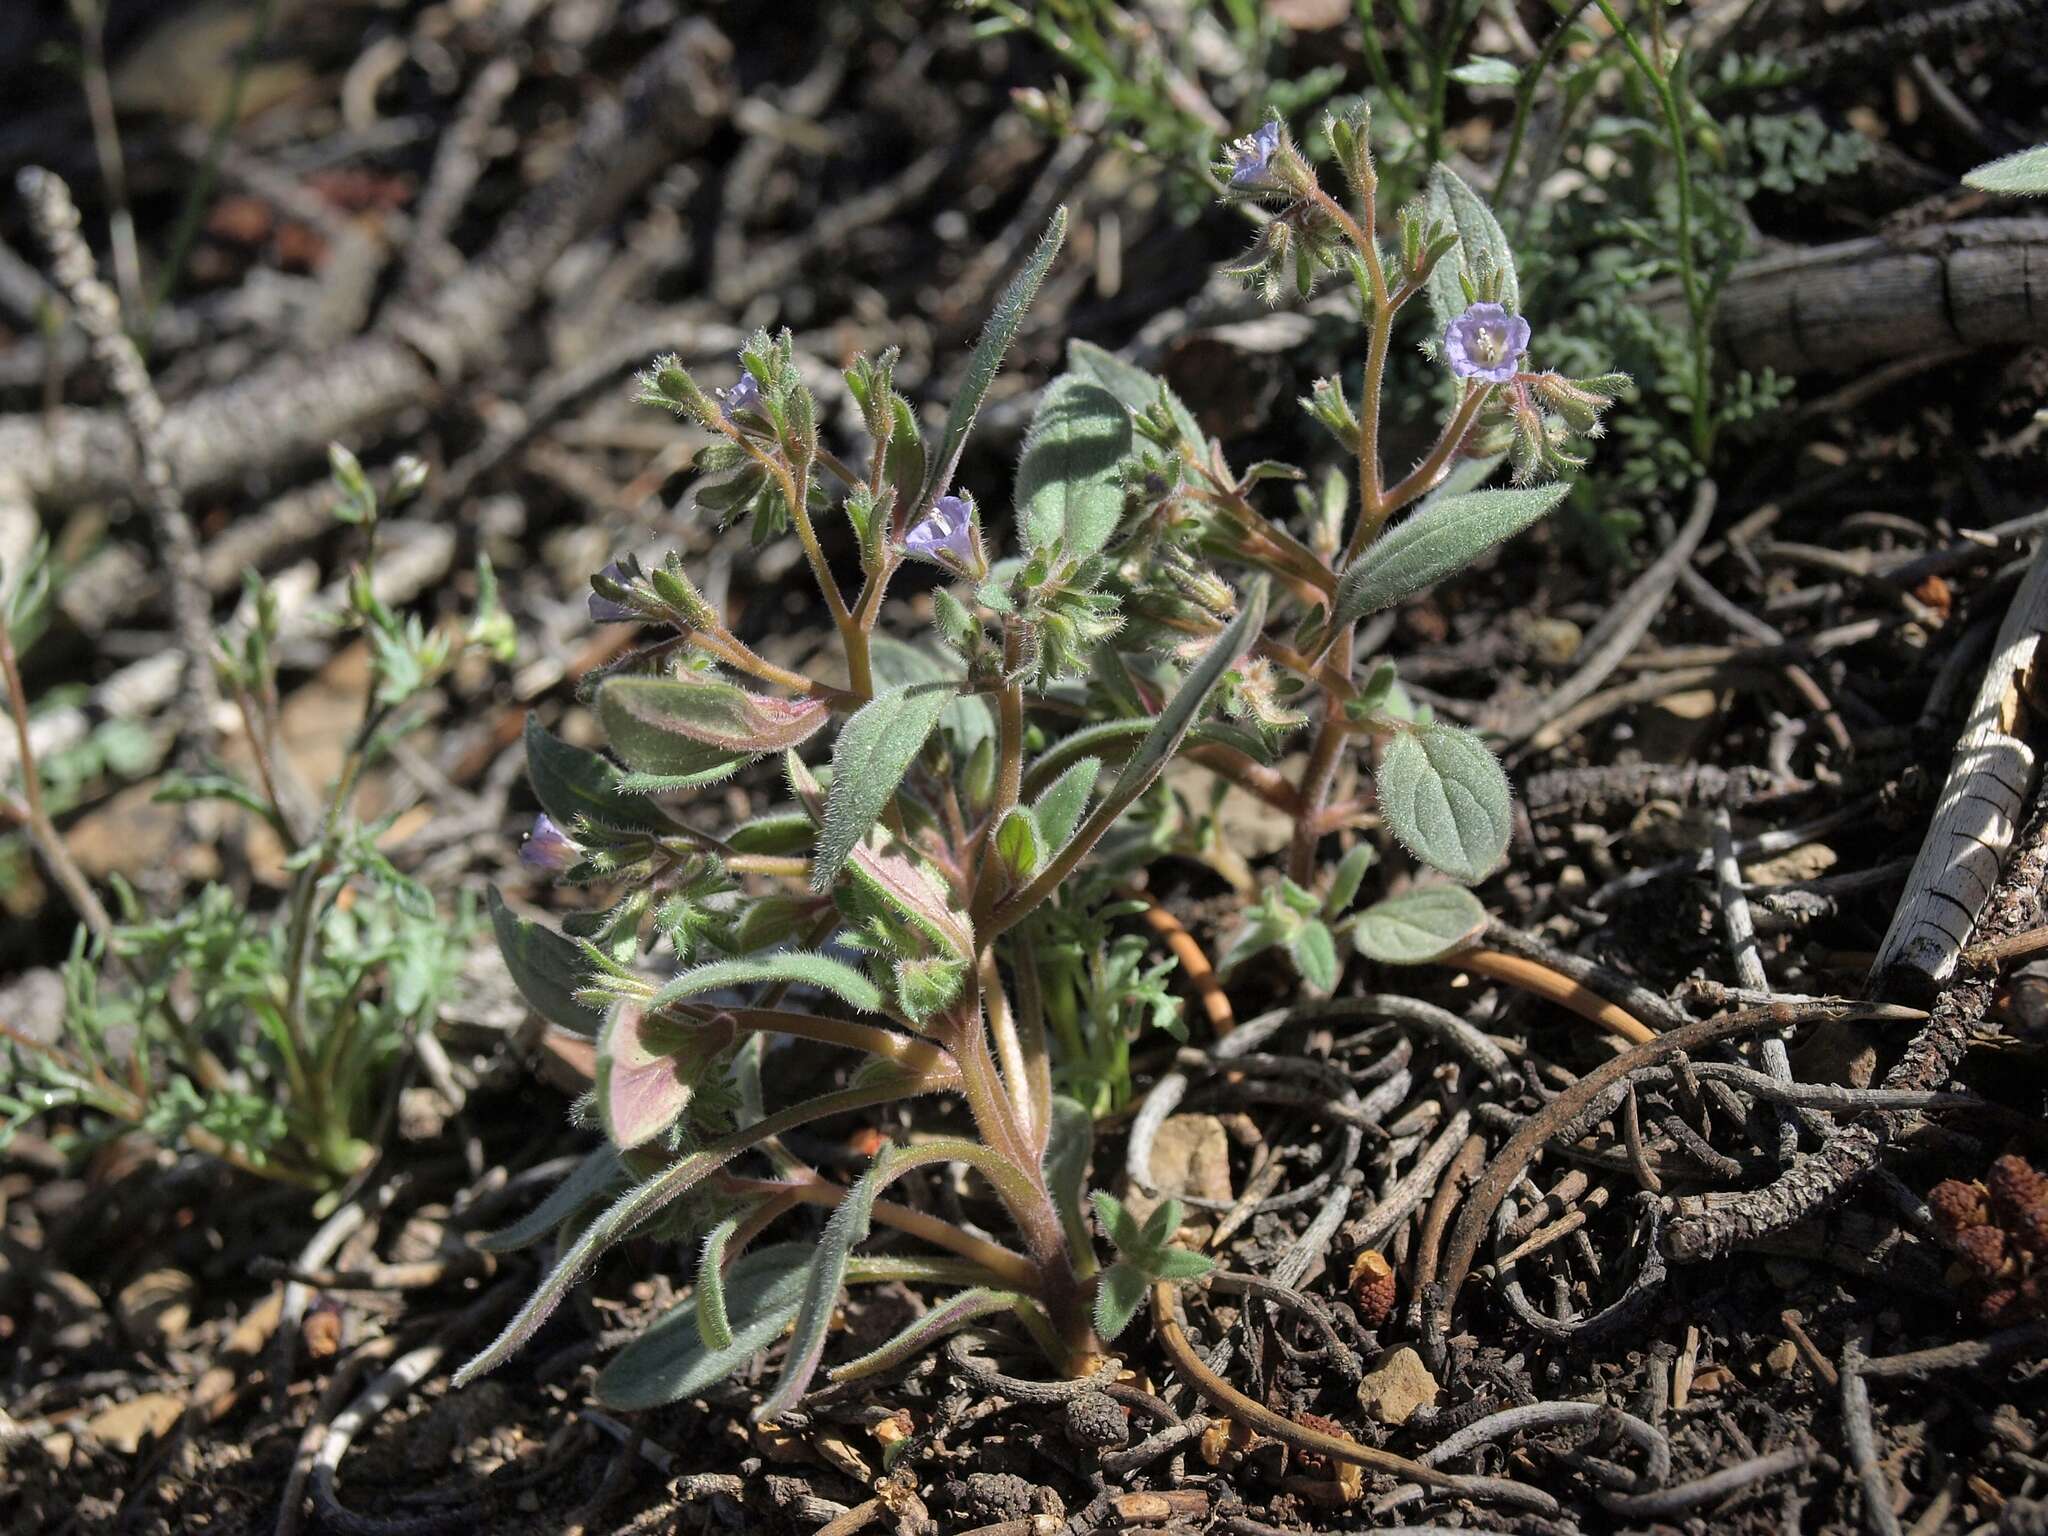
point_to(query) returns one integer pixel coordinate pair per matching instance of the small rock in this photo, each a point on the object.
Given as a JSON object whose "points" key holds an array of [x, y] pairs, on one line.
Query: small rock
{"points": [[1784, 1356], [1190, 1156], [1809, 861], [155, 1309], [1397, 1387], [125, 1426]]}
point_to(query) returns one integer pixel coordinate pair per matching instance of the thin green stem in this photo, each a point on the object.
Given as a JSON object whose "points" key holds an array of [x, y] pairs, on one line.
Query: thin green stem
{"points": [[1698, 303]]}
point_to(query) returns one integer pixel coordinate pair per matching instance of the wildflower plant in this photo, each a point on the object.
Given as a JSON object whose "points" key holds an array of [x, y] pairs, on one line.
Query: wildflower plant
{"points": [[263, 1037], [941, 896]]}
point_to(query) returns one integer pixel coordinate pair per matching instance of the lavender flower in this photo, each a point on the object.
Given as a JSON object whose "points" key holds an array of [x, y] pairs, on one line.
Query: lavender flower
{"points": [[602, 609], [1251, 156], [745, 395], [548, 847], [946, 534], [1485, 343]]}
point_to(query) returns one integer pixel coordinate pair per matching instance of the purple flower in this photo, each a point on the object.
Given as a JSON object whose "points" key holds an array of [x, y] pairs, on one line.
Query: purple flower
{"points": [[1250, 156], [946, 534], [745, 395], [548, 847], [1485, 342], [602, 609]]}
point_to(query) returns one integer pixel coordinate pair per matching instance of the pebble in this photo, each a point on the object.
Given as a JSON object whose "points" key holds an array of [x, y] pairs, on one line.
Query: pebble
{"points": [[1397, 1387]]}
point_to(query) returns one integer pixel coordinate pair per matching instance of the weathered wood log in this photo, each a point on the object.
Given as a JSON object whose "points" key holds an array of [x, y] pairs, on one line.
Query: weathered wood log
{"points": [[287, 410], [1978, 283], [1978, 814]]}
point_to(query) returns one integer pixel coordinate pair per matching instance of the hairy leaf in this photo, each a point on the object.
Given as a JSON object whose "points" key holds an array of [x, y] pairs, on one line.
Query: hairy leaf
{"points": [[1132, 385], [641, 1088], [1445, 797], [1172, 724], [1060, 808], [1069, 1143], [714, 1327], [875, 749], [1482, 250], [596, 1175], [801, 967], [948, 1316], [2024, 174], [585, 789], [1069, 488], [697, 731], [995, 341], [903, 878], [547, 968], [1119, 1292], [967, 721], [670, 1360], [847, 1227], [1419, 925], [1314, 953], [1441, 537]]}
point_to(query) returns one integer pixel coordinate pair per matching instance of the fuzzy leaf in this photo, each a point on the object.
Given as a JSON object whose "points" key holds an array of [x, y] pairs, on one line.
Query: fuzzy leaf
{"points": [[1314, 953], [547, 968], [995, 341], [1445, 797], [1350, 874], [596, 1175], [585, 789], [792, 965], [2024, 174], [1132, 385], [1069, 487], [846, 1229], [967, 722], [1020, 844], [697, 731], [1441, 537], [948, 1316], [1171, 726], [1069, 1144], [1119, 1292], [641, 1088], [909, 884], [1182, 1264], [874, 751], [714, 1327], [1060, 808], [1419, 925], [1481, 249], [670, 1361], [1486, 71], [925, 986], [1118, 1225]]}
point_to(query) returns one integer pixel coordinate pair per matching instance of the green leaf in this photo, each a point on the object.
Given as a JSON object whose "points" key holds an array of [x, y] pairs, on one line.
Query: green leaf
{"points": [[908, 883], [1485, 71], [790, 965], [714, 1327], [2019, 175], [584, 789], [995, 341], [846, 1229], [948, 1316], [1443, 536], [697, 731], [1132, 385], [1419, 925], [1158, 1230], [1069, 1144], [547, 968], [874, 751], [1182, 1264], [1482, 250], [1445, 797], [598, 1174], [1171, 726], [1345, 882], [927, 984], [642, 1089], [967, 721], [1314, 953], [1118, 1225], [1119, 1292], [670, 1361], [1019, 843], [1070, 489], [1060, 808]]}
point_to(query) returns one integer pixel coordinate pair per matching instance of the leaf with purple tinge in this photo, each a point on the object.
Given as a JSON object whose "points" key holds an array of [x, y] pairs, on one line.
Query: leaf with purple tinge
{"points": [[647, 1071], [695, 731]]}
